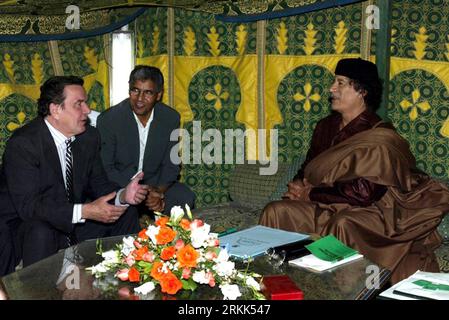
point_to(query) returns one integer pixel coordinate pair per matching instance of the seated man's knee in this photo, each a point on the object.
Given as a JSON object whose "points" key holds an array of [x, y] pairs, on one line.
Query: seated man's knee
{"points": [[39, 240], [274, 207], [180, 195], [340, 221]]}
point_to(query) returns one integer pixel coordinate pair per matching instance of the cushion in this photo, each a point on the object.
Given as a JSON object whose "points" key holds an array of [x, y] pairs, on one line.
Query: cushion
{"points": [[443, 228], [228, 215], [291, 171], [250, 189]]}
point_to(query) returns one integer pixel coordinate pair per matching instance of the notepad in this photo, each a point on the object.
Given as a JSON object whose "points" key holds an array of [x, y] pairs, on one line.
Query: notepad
{"points": [[256, 240], [314, 263], [326, 253], [419, 286], [330, 249]]}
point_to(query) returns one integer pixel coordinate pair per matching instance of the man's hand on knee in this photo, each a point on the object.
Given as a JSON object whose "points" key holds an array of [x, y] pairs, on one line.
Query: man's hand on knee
{"points": [[100, 210]]}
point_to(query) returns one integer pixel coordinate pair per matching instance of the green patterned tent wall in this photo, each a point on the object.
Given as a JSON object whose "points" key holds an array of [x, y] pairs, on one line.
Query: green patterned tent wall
{"points": [[269, 74], [25, 66]]}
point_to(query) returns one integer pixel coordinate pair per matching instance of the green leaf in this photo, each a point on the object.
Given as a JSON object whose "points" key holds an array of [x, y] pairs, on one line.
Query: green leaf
{"points": [[189, 284], [144, 264]]}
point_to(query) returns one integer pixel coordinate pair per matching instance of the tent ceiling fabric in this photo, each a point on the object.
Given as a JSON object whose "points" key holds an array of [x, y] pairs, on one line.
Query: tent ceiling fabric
{"points": [[31, 20], [222, 7]]}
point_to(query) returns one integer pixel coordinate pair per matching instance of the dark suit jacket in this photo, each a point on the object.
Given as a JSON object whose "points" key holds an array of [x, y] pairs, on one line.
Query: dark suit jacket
{"points": [[9, 230], [34, 175], [120, 144]]}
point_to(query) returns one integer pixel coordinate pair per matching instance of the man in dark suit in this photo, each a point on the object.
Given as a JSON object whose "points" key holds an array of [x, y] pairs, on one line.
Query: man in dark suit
{"points": [[9, 225], [55, 177], [135, 136]]}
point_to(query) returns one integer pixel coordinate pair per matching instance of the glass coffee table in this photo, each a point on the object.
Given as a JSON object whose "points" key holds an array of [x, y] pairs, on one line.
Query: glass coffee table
{"points": [[63, 276]]}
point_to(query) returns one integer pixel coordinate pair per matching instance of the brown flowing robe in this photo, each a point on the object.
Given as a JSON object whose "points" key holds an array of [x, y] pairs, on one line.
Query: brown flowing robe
{"points": [[398, 231]]}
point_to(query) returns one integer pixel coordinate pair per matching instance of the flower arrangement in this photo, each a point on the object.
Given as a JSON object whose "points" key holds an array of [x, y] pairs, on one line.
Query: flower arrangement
{"points": [[176, 253]]}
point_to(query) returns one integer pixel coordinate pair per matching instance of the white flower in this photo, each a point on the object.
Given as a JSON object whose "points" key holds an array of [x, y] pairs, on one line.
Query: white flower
{"points": [[213, 241], [200, 235], [151, 232], [224, 268], [222, 256], [230, 291], [99, 269], [200, 277], [176, 214], [128, 245], [111, 257], [250, 282], [146, 288]]}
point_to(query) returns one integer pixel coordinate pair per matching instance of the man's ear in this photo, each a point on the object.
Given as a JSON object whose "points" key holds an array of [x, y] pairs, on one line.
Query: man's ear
{"points": [[160, 95], [54, 110]]}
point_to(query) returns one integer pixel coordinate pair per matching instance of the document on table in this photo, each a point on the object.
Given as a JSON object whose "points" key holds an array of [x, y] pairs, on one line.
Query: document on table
{"points": [[314, 263], [420, 286], [327, 253], [256, 240]]}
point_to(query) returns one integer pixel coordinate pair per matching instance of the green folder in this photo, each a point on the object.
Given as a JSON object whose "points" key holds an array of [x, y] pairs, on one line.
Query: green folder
{"points": [[330, 249]]}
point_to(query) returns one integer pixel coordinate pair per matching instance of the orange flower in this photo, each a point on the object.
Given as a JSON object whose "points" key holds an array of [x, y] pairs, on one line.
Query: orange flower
{"points": [[168, 253], [187, 256], [133, 275], [185, 224], [165, 235], [156, 271], [162, 221], [142, 234], [139, 253], [170, 284]]}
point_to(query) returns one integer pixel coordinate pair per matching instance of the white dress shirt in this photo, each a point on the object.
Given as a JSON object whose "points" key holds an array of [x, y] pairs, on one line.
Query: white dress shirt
{"points": [[59, 138], [143, 137]]}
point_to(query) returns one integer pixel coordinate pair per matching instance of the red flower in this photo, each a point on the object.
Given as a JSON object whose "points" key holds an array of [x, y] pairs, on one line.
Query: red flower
{"points": [[156, 271], [167, 253], [143, 235], [139, 253], [187, 256], [133, 275], [165, 235], [162, 221], [170, 284], [185, 224]]}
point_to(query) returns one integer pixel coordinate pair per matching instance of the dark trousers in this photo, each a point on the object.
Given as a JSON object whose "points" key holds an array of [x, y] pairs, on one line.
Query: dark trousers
{"points": [[178, 195], [10, 254], [41, 240]]}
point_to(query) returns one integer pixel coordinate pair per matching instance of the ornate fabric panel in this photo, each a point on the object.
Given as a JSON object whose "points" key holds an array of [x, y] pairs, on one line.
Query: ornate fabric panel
{"points": [[26, 66], [23, 70], [419, 73]]}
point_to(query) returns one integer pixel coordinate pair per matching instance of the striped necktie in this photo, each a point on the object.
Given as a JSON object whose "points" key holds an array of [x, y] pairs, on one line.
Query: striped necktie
{"points": [[69, 170], [71, 238]]}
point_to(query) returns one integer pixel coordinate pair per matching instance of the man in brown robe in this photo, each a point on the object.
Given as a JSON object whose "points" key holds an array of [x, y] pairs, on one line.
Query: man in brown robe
{"points": [[360, 183]]}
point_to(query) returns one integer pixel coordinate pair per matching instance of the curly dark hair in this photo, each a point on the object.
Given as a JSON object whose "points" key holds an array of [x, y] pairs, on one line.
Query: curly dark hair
{"points": [[143, 73], [52, 91]]}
